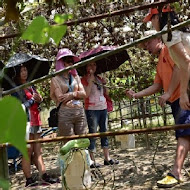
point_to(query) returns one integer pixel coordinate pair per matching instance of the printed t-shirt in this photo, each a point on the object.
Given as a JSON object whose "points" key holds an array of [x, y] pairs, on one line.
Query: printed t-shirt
{"points": [[96, 99], [164, 73]]}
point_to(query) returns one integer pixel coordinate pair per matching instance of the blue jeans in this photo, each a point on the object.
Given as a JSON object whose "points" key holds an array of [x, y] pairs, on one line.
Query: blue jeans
{"points": [[95, 118], [180, 117]]}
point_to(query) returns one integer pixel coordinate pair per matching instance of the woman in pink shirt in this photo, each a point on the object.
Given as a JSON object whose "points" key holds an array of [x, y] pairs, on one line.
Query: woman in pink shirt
{"points": [[96, 111]]}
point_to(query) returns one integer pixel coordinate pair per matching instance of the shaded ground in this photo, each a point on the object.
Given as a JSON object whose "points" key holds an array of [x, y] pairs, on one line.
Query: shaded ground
{"points": [[138, 168]]}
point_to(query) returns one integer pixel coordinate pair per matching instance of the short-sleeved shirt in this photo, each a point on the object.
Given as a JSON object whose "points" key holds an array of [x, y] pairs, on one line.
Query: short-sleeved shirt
{"points": [[177, 36], [34, 112], [64, 87], [164, 72], [96, 99]]}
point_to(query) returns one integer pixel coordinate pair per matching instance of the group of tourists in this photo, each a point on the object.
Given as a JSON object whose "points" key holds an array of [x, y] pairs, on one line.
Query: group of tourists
{"points": [[68, 90]]}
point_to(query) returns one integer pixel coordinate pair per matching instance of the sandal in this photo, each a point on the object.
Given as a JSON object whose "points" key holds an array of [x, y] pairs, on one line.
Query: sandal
{"points": [[95, 165], [169, 181]]}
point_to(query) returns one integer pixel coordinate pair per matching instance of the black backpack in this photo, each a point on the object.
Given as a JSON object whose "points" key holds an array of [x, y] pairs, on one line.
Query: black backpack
{"points": [[53, 116]]}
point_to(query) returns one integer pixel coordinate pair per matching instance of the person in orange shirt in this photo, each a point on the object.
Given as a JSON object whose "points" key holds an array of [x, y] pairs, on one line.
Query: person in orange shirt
{"points": [[178, 44], [168, 77]]}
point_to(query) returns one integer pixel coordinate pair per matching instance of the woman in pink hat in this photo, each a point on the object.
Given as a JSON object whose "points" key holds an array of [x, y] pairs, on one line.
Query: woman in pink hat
{"points": [[178, 44], [66, 89]]}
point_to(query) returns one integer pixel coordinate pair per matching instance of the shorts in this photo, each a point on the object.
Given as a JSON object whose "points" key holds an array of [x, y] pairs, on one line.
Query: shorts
{"points": [[71, 121], [181, 117], [35, 130], [31, 130]]}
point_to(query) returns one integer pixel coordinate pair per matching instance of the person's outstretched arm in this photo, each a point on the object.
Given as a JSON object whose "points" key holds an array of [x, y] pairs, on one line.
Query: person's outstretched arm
{"points": [[156, 87]]}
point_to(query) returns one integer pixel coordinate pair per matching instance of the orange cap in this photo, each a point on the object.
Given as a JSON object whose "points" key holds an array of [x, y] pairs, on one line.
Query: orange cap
{"points": [[167, 9], [154, 11]]}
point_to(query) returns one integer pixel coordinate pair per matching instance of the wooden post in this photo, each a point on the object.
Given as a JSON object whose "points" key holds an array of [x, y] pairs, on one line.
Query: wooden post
{"points": [[4, 163], [4, 170], [120, 113]]}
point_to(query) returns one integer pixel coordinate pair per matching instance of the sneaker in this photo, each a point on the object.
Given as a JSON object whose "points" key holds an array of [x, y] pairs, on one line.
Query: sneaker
{"points": [[95, 165], [48, 179], [30, 182], [169, 181], [111, 162]]}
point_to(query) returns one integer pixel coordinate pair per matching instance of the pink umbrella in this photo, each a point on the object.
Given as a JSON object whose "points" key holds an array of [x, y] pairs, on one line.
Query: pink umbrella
{"points": [[106, 64]]}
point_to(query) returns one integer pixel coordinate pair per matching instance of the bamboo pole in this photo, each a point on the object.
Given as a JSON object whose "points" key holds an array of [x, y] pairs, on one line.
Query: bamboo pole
{"points": [[95, 58], [109, 133], [114, 133]]}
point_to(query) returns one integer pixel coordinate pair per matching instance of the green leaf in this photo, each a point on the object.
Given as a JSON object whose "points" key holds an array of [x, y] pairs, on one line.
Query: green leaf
{"points": [[70, 2], [60, 19], [4, 184], [37, 31], [177, 6], [13, 123], [57, 32]]}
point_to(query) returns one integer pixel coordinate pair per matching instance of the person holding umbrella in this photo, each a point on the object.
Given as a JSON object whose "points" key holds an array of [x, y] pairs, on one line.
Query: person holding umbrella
{"points": [[37, 67], [95, 101], [67, 91], [31, 100]]}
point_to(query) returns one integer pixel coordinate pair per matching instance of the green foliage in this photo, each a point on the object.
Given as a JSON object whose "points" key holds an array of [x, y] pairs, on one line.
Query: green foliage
{"points": [[117, 30], [71, 2], [4, 184], [177, 6], [136, 74], [57, 32], [13, 123], [60, 19], [39, 31]]}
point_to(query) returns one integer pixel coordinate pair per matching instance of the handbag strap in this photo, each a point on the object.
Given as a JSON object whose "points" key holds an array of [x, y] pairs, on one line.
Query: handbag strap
{"points": [[59, 106]]}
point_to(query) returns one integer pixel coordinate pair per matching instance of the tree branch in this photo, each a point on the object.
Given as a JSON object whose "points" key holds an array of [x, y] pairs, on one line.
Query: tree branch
{"points": [[96, 58], [105, 15]]}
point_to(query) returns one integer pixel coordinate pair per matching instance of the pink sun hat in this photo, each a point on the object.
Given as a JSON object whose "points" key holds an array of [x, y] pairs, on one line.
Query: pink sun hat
{"points": [[65, 52]]}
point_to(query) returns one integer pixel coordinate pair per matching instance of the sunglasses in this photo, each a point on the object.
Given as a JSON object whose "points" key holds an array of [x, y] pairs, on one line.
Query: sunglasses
{"points": [[68, 60]]}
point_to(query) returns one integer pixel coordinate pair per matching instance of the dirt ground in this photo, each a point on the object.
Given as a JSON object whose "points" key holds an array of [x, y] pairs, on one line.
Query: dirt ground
{"points": [[139, 168]]}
